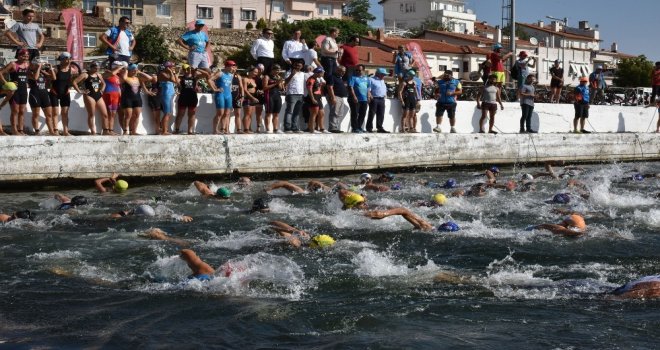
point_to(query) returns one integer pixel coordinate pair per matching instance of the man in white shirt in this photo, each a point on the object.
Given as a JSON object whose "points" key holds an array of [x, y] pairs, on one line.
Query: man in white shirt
{"points": [[262, 49], [311, 56], [329, 50], [294, 49], [120, 41], [295, 90]]}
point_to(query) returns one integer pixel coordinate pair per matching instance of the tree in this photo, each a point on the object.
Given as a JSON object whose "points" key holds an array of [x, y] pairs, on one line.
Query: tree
{"points": [[428, 24], [66, 4], [261, 23], [633, 72], [249, 26], [520, 32], [359, 11], [151, 45]]}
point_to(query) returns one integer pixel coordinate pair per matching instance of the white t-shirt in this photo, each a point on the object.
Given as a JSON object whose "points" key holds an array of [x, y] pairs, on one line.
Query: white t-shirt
{"points": [[296, 84], [310, 55], [123, 44]]}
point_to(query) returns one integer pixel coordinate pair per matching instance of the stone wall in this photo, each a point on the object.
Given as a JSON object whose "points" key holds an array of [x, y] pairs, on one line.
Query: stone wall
{"points": [[224, 41]]}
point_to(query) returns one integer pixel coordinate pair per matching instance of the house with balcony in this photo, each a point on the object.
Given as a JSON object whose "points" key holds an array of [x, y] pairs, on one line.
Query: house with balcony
{"points": [[402, 14]]}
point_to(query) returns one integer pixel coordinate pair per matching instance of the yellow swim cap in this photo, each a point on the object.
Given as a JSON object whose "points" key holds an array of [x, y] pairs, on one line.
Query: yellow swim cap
{"points": [[440, 198], [352, 200], [121, 186], [10, 85], [321, 241], [185, 66]]}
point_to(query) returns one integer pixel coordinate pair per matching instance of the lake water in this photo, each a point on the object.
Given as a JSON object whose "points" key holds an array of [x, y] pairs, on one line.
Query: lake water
{"points": [[79, 279]]}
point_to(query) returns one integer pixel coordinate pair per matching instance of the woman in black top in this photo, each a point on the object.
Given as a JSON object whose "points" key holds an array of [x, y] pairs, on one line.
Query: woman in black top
{"points": [[93, 87], [250, 102], [18, 73], [237, 101], [59, 92], [556, 82], [273, 85], [188, 100], [40, 78]]}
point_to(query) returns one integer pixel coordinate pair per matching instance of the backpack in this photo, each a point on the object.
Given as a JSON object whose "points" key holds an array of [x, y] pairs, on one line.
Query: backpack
{"points": [[515, 71]]}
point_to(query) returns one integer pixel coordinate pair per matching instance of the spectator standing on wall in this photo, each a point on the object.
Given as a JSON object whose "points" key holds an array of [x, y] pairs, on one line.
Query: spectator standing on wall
{"points": [[655, 81], [26, 34], [329, 51], [196, 42], [557, 81], [262, 49], [487, 101], [311, 56], [524, 63], [581, 105], [497, 64], [526, 96], [446, 91], [349, 59], [294, 49], [403, 61], [597, 85], [337, 96], [120, 41], [295, 90], [378, 91], [360, 92]]}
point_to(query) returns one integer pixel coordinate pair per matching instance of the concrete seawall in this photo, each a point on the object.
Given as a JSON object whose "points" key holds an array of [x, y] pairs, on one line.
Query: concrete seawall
{"points": [[86, 157]]}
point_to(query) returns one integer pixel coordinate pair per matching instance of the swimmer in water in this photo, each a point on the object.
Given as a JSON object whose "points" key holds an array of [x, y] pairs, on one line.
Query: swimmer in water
{"points": [[260, 205], [205, 191], [491, 174], [411, 217], [296, 237], [149, 211], [117, 185], [573, 225], [244, 182], [23, 214], [647, 287], [160, 235], [67, 203], [313, 186], [438, 200], [200, 270], [384, 178], [367, 183], [352, 200]]}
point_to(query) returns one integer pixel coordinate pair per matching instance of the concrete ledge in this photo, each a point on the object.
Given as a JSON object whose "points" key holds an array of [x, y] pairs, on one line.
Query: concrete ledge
{"points": [[88, 157]]}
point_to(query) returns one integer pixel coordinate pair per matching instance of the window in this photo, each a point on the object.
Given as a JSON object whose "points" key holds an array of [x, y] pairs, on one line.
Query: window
{"points": [[278, 6], [226, 18], [89, 40], [442, 68], [248, 15], [163, 10], [325, 9], [88, 5], [466, 66], [204, 12]]}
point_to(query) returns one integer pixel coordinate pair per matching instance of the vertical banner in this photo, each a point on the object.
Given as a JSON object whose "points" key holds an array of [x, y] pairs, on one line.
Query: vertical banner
{"points": [[420, 60], [74, 34], [209, 54]]}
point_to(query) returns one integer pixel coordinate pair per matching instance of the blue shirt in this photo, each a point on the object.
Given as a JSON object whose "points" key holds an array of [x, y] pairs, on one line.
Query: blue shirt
{"points": [[361, 87], [584, 91], [445, 86], [418, 85], [196, 39], [224, 82], [597, 80], [378, 87]]}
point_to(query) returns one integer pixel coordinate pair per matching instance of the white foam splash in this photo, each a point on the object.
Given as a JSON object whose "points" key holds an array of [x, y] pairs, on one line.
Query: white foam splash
{"points": [[377, 264], [56, 255]]}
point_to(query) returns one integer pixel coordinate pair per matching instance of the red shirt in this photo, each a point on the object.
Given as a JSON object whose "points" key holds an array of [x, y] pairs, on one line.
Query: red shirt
{"points": [[350, 56], [496, 61], [656, 77]]}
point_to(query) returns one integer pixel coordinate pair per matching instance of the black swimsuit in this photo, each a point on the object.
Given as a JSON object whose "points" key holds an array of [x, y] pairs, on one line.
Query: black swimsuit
{"points": [[188, 95], [93, 86], [20, 77], [59, 94], [39, 96]]}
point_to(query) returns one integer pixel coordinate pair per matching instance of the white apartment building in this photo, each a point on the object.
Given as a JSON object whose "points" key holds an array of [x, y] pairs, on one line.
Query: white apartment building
{"points": [[402, 14]]}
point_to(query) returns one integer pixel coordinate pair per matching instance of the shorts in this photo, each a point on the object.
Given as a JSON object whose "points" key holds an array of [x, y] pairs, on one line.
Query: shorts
{"points": [[187, 101], [111, 100], [273, 104], [222, 101], [554, 83], [20, 97], [500, 77], [131, 102], [487, 106], [236, 102], [154, 102], [198, 59], [63, 101], [409, 104], [440, 109], [581, 110], [319, 102], [39, 98]]}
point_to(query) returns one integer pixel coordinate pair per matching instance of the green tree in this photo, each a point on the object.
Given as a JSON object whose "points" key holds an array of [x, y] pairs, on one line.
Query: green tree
{"points": [[359, 11], [66, 4], [261, 23], [150, 46], [633, 72], [428, 24], [520, 32], [249, 26]]}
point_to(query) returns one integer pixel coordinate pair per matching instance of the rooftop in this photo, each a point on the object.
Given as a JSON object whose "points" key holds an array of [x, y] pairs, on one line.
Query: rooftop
{"points": [[560, 33], [476, 38], [379, 57], [56, 18]]}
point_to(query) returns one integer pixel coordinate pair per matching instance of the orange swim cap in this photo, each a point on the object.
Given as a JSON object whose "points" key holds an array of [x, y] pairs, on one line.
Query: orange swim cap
{"points": [[575, 220]]}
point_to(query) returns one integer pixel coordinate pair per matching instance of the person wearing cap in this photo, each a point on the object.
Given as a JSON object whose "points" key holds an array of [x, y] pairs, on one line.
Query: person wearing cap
{"points": [[200, 269], [295, 48], [573, 225], [101, 183], [351, 200], [487, 101], [273, 85], [67, 203], [524, 62], [59, 92], [220, 83], [337, 94], [526, 94], [414, 219], [296, 237], [491, 174], [22, 214], [18, 74], [262, 49], [403, 61], [120, 41], [647, 287], [196, 42], [149, 211], [438, 200], [597, 86], [92, 91], [329, 52], [40, 78], [205, 191], [408, 96], [367, 184], [132, 81], [581, 105], [26, 35], [295, 90], [557, 81], [446, 91], [378, 91], [497, 62], [112, 94], [314, 94]]}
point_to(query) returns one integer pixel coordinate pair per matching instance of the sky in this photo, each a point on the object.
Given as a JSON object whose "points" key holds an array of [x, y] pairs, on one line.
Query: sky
{"points": [[632, 24]]}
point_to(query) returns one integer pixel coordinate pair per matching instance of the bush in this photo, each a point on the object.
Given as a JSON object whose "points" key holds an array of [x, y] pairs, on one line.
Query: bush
{"points": [[249, 26], [150, 46], [634, 72], [261, 23]]}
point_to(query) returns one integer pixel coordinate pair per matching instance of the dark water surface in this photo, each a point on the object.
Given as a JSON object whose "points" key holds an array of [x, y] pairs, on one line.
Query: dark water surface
{"points": [[78, 279]]}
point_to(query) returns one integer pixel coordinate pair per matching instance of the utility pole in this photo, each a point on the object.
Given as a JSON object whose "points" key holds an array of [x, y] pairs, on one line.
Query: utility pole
{"points": [[270, 13]]}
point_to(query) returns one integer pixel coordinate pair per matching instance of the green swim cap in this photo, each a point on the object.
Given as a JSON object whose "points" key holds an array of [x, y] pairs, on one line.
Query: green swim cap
{"points": [[121, 186], [223, 192], [321, 241]]}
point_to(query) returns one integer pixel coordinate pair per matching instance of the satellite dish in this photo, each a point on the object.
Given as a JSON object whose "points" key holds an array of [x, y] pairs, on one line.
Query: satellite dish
{"points": [[534, 41], [475, 76]]}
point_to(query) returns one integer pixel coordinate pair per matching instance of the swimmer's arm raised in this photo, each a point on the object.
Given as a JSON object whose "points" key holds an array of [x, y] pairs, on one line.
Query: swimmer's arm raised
{"points": [[415, 220], [285, 184]]}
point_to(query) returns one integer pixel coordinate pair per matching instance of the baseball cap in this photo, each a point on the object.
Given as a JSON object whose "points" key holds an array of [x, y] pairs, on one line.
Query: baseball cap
{"points": [[230, 63], [199, 22], [318, 70], [64, 55], [381, 71]]}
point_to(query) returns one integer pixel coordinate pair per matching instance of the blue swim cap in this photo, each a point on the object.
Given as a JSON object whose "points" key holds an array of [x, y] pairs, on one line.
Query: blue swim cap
{"points": [[396, 186], [638, 177], [388, 175], [451, 183], [494, 169], [561, 198], [449, 226]]}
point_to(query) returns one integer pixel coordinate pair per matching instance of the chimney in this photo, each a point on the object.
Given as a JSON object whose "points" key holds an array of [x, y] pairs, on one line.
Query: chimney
{"points": [[498, 34], [370, 34], [615, 47], [541, 24], [369, 59], [380, 36], [584, 25], [555, 26]]}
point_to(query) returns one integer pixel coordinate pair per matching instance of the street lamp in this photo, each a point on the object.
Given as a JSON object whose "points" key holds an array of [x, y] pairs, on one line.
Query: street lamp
{"points": [[562, 42]]}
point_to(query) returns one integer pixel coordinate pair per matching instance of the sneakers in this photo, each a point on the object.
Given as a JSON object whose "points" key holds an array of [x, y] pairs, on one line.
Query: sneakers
{"points": [[492, 132], [453, 130], [576, 131], [530, 131], [585, 131], [382, 131], [325, 131], [437, 129]]}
